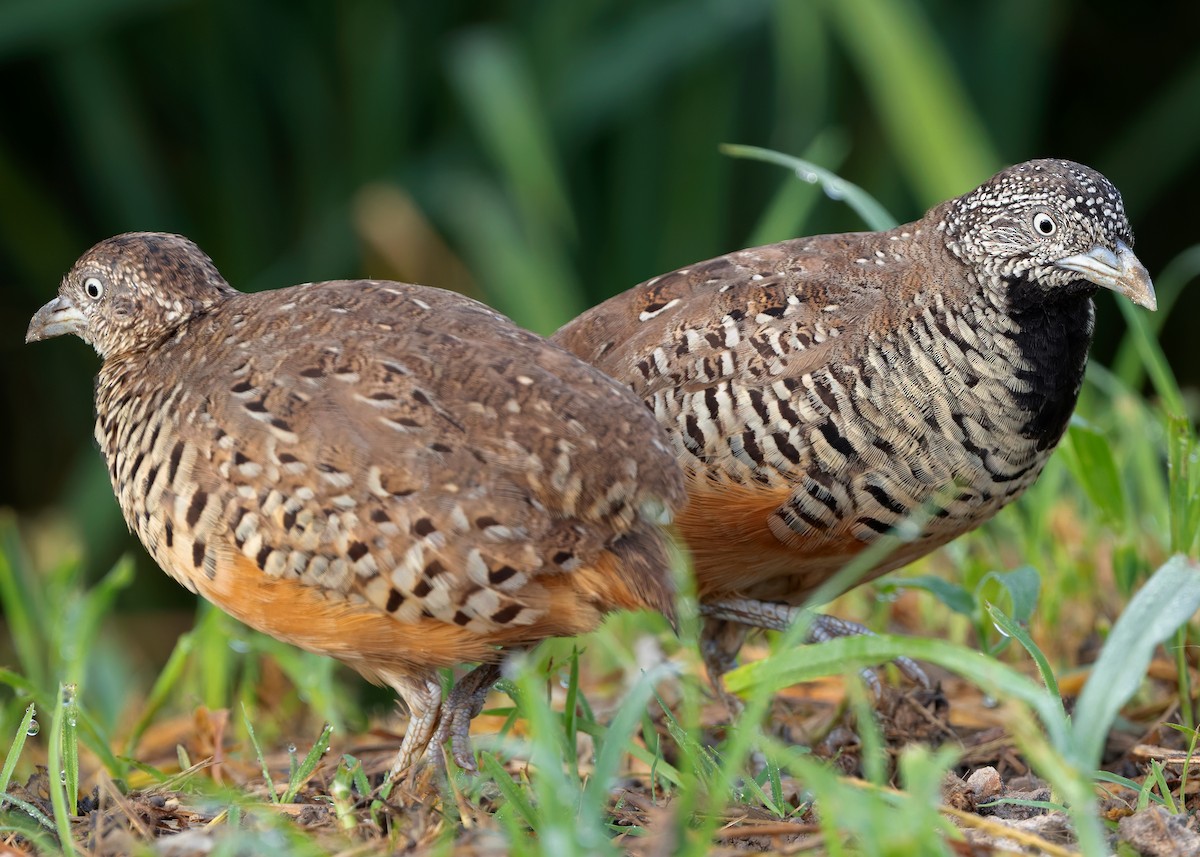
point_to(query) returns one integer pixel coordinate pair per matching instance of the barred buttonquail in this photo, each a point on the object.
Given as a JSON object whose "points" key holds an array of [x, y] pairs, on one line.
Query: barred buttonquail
{"points": [[393, 475], [821, 390]]}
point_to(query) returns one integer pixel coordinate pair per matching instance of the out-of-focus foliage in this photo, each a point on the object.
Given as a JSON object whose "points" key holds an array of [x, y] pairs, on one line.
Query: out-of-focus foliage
{"points": [[539, 155], [542, 155]]}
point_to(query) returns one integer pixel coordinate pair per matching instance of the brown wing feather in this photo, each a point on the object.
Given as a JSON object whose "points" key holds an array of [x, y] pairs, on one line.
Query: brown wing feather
{"points": [[819, 391], [400, 447]]}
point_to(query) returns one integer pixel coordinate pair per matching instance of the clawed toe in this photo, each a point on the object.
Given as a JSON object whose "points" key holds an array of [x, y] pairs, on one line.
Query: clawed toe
{"points": [[463, 703], [720, 647], [826, 628]]}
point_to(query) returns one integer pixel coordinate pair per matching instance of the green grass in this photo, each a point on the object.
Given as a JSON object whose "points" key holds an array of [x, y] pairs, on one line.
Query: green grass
{"points": [[565, 151], [1126, 481]]}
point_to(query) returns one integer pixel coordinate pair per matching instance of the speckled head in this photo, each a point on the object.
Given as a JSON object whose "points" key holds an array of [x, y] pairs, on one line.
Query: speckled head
{"points": [[1051, 225], [130, 291]]}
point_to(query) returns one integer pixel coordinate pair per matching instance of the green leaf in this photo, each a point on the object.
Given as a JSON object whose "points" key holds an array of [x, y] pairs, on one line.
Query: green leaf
{"points": [[1167, 600], [571, 704], [1128, 568], [70, 745], [1022, 585], [163, 689], [1156, 778], [952, 595], [1183, 463], [1123, 782], [23, 600], [1090, 458]]}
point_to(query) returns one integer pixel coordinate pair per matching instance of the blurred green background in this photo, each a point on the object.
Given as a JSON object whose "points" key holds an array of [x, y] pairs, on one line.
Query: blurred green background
{"points": [[539, 155]]}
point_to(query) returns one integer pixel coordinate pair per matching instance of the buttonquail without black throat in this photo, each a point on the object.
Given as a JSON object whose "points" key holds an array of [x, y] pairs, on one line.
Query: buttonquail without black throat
{"points": [[393, 475]]}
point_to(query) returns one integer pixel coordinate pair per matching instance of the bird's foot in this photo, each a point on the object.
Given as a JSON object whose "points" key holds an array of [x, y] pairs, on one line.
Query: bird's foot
{"points": [[826, 627], [719, 645], [462, 705], [423, 696], [780, 617]]}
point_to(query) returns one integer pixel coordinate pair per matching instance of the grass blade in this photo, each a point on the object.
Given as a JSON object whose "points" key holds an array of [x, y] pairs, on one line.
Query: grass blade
{"points": [[1152, 356], [33, 812], [70, 745], [15, 749], [864, 205], [1018, 633], [1089, 456], [1183, 463], [163, 689], [608, 758], [498, 94], [56, 776], [571, 704], [915, 88], [792, 204], [1168, 286], [262, 760], [516, 797], [22, 603], [804, 663], [305, 769], [1167, 600]]}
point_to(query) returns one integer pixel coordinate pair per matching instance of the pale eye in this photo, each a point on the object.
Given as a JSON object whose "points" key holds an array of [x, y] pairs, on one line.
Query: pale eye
{"points": [[1044, 224], [93, 287]]}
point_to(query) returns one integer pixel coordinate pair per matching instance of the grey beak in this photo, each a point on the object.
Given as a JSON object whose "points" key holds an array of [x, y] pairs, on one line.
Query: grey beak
{"points": [[1120, 271], [54, 319]]}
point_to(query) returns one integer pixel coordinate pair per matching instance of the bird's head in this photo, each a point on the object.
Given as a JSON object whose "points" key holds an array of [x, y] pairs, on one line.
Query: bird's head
{"points": [[131, 291], [1050, 225]]}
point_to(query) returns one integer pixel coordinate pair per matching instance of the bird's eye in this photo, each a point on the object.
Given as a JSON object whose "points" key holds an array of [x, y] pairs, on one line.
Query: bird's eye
{"points": [[93, 287], [1044, 223]]}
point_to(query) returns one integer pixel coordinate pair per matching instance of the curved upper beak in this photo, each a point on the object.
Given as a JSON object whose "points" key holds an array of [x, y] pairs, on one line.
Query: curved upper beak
{"points": [[54, 319], [1120, 271]]}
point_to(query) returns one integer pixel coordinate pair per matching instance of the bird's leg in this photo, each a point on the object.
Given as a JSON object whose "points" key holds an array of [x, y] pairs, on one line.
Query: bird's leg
{"points": [[720, 641], [461, 706], [423, 696], [748, 611], [779, 617]]}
